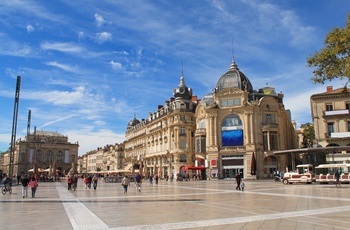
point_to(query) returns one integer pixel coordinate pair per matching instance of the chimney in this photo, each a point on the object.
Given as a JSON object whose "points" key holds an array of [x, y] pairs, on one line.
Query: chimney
{"points": [[329, 89]]}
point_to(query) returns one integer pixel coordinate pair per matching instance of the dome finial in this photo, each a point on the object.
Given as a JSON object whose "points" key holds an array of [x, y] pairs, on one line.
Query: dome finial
{"points": [[233, 64]]}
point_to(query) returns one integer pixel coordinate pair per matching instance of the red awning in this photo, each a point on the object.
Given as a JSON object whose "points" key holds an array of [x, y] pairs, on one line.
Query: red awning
{"points": [[196, 167]]}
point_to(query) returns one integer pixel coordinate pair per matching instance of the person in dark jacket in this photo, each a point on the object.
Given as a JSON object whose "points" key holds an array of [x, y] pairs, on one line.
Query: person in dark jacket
{"points": [[25, 182]]}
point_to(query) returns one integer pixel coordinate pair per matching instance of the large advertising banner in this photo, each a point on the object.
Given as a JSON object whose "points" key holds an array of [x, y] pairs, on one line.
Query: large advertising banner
{"points": [[232, 137]]}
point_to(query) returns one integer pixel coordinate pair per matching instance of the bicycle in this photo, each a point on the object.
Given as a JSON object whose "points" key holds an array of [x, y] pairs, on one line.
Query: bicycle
{"points": [[6, 188]]}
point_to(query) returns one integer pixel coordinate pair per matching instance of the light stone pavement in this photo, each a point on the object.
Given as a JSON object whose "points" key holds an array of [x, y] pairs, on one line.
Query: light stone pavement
{"points": [[196, 205]]}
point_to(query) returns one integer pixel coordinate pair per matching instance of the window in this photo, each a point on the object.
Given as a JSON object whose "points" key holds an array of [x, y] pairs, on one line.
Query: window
{"points": [[182, 131], [330, 128], [59, 157], [270, 140], [202, 124], [348, 126], [182, 144], [182, 117], [347, 106], [329, 107], [230, 102], [269, 118], [183, 158], [200, 144]]}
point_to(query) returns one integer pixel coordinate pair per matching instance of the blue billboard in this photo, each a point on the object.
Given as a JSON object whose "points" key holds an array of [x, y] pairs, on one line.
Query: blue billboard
{"points": [[232, 137]]}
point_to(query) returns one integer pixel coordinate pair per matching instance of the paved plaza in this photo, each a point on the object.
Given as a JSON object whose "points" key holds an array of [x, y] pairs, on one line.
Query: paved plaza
{"points": [[209, 205]]}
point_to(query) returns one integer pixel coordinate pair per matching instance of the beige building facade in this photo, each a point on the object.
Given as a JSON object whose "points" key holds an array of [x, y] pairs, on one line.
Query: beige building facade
{"points": [[233, 130], [163, 143], [42, 149], [238, 128], [331, 119], [108, 159]]}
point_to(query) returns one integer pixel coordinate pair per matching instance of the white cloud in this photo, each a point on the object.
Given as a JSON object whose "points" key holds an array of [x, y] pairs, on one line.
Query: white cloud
{"points": [[58, 97], [90, 139], [68, 68], [62, 47], [101, 38], [116, 65], [99, 20], [57, 120], [81, 35], [30, 28]]}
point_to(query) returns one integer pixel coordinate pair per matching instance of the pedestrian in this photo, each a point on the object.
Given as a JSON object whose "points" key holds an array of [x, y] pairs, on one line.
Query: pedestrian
{"points": [[337, 177], [95, 180], [25, 182], [69, 181], [150, 180], [242, 185], [75, 182], [18, 179], [238, 181], [86, 181], [89, 181], [156, 178], [33, 184], [138, 181], [125, 183]]}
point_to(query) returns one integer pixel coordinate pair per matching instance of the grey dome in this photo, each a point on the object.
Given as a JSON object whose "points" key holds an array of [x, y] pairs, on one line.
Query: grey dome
{"points": [[234, 78]]}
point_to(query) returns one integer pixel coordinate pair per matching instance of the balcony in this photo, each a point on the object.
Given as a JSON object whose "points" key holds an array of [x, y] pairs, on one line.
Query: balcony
{"points": [[201, 131], [336, 112], [267, 126], [337, 136]]}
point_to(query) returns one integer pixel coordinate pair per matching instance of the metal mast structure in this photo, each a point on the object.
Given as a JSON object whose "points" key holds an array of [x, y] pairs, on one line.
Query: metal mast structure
{"points": [[14, 127]]}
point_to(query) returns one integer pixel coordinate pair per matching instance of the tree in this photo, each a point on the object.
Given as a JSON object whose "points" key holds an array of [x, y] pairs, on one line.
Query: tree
{"points": [[333, 60], [308, 133]]}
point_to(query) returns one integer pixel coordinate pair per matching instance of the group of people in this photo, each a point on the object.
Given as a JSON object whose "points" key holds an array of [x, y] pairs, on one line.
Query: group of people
{"points": [[88, 180]]}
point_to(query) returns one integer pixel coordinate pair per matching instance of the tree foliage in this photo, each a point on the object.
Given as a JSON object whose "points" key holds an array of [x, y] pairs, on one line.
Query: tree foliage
{"points": [[308, 135], [333, 60]]}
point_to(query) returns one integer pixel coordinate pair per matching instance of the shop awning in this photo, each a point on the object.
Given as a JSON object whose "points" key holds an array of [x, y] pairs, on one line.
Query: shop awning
{"points": [[193, 168]]}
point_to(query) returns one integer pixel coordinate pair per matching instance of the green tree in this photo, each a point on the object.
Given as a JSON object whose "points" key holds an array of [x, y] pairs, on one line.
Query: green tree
{"points": [[333, 60], [308, 132]]}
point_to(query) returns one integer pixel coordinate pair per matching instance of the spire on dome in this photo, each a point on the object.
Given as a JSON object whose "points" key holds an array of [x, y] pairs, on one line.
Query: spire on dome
{"points": [[233, 64]]}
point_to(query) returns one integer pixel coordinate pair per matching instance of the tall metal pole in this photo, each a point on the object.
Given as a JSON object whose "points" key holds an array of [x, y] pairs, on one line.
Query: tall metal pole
{"points": [[14, 127], [28, 125]]}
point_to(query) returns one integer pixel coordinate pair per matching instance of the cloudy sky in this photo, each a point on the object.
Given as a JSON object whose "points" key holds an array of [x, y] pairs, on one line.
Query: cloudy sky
{"points": [[88, 66]]}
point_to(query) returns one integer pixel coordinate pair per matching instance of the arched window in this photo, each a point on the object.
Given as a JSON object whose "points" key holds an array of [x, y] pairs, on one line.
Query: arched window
{"points": [[202, 124], [59, 157], [39, 155], [49, 156]]}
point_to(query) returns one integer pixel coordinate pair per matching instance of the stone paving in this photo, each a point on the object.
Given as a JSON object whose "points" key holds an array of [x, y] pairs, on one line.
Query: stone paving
{"points": [[209, 205]]}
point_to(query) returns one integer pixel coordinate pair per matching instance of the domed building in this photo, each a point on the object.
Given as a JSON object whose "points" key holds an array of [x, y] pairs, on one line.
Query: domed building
{"points": [[238, 128]]}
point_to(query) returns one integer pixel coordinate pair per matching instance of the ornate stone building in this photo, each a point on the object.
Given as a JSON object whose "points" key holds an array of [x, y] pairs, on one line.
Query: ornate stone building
{"points": [[42, 149], [164, 142], [330, 112], [238, 128], [232, 130], [107, 159]]}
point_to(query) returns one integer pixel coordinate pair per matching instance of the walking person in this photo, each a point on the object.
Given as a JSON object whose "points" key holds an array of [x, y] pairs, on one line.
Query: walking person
{"points": [[125, 183], [242, 185], [86, 181], [95, 180], [138, 181], [89, 181], [69, 181], [337, 177], [25, 182], [238, 181], [156, 178], [150, 180], [33, 184], [75, 182]]}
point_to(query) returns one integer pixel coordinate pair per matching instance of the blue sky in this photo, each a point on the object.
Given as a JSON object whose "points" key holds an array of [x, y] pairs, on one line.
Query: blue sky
{"points": [[88, 66]]}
